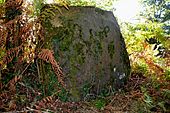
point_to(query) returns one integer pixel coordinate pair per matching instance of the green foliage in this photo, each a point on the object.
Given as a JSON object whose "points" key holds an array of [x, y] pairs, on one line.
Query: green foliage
{"points": [[167, 73], [37, 5], [142, 55], [2, 54], [100, 103], [2, 1], [63, 95], [104, 4], [154, 24], [147, 98], [157, 10], [155, 95], [81, 2]]}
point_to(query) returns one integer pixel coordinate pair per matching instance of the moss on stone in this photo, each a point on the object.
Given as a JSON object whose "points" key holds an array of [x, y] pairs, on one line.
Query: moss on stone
{"points": [[111, 49], [99, 11], [76, 47], [64, 39]]}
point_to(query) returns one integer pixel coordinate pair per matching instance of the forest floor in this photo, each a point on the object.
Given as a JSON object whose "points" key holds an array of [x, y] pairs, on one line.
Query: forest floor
{"points": [[141, 94]]}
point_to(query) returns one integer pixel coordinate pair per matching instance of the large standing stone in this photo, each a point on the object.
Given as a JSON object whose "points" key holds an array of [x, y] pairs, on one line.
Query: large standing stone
{"points": [[90, 49]]}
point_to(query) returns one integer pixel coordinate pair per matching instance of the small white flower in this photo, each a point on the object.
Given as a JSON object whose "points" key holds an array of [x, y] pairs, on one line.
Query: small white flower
{"points": [[121, 76], [114, 69]]}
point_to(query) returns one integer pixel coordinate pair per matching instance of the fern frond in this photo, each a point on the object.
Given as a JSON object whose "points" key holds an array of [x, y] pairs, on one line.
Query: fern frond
{"points": [[62, 3], [2, 11], [3, 35], [13, 3], [3, 95], [11, 53], [12, 82], [42, 104], [47, 13], [47, 55]]}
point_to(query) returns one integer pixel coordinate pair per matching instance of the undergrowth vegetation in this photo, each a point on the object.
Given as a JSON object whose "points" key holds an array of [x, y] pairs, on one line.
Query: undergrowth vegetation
{"points": [[22, 49], [148, 47], [25, 87]]}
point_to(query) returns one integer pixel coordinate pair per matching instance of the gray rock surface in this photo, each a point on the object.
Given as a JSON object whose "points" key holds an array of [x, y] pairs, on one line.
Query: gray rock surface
{"points": [[90, 49]]}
